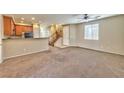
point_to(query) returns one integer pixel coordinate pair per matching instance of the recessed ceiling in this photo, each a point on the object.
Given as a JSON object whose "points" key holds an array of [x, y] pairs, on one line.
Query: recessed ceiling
{"points": [[48, 19]]}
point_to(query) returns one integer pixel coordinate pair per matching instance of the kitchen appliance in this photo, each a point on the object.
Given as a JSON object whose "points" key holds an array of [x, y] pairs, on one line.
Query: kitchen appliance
{"points": [[28, 35]]}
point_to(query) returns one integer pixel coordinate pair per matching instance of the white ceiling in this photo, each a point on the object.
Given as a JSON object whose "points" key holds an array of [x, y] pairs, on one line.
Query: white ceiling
{"points": [[48, 19]]}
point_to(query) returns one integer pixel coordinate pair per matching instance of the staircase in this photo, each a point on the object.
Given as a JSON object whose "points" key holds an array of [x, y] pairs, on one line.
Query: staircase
{"points": [[54, 37]]}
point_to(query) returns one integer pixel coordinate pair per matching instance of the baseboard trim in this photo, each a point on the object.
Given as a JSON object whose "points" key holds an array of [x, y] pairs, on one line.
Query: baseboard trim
{"points": [[61, 46], [65, 47], [100, 50], [5, 58]]}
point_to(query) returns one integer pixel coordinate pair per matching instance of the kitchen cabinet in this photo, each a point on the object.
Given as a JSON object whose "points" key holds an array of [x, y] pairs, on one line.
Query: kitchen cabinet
{"points": [[7, 25], [19, 30], [23, 28], [11, 29]]}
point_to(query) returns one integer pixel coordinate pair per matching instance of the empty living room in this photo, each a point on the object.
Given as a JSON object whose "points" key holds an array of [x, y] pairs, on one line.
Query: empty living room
{"points": [[62, 45]]}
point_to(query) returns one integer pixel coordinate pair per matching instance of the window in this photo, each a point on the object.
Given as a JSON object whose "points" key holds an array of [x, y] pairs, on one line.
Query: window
{"points": [[91, 32]]}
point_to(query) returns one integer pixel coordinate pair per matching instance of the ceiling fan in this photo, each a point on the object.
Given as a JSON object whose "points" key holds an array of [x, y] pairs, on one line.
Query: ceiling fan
{"points": [[86, 17]]}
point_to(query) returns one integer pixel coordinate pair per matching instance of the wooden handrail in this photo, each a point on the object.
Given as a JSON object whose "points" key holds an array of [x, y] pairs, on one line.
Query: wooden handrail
{"points": [[54, 33], [53, 38]]}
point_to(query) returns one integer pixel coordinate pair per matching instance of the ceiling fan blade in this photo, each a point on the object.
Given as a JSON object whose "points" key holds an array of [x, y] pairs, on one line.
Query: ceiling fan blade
{"points": [[86, 17], [74, 15], [80, 18], [97, 16], [93, 17]]}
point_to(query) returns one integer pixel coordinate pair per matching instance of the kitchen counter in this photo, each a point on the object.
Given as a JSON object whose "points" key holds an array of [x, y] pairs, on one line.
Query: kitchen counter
{"points": [[6, 38]]}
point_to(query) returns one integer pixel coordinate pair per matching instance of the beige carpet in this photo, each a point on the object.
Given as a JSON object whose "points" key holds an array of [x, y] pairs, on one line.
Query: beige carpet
{"points": [[65, 63]]}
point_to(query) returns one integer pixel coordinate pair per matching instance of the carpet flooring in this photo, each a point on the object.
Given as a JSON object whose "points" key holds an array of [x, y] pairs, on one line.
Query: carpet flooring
{"points": [[70, 62]]}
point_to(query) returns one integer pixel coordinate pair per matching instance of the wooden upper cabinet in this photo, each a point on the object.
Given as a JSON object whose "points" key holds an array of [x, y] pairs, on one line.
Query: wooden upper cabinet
{"points": [[19, 30], [7, 26], [10, 29], [22, 28], [29, 28]]}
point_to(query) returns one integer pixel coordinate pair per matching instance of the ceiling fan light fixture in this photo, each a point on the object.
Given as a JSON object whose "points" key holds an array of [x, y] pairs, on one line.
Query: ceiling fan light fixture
{"points": [[86, 16]]}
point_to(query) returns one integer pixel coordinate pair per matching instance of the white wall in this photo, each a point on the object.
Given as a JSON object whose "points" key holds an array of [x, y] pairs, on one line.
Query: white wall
{"points": [[36, 31], [66, 37], [111, 35], [1, 35], [59, 43], [72, 38], [17, 47]]}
